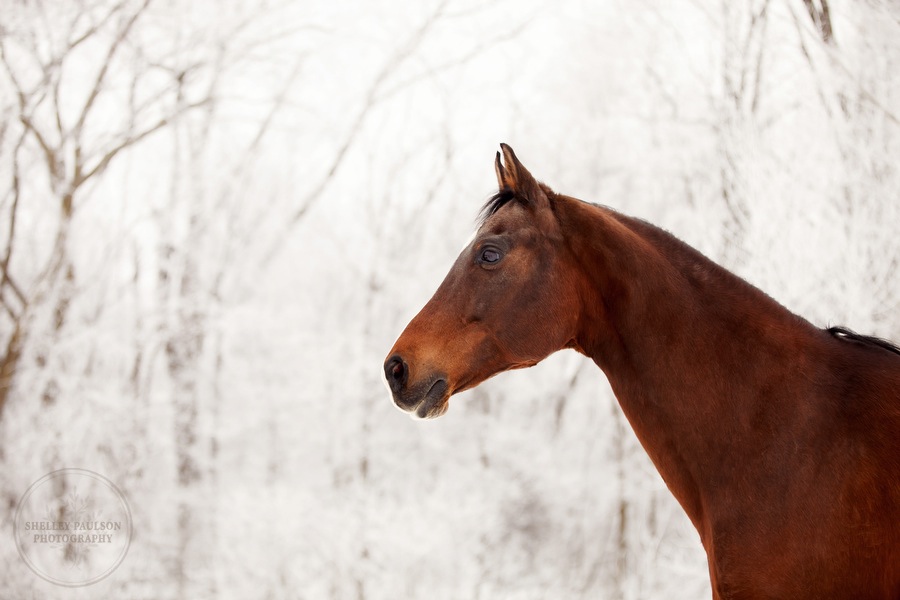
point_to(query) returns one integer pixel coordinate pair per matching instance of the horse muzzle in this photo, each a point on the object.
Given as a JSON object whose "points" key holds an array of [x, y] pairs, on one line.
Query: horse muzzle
{"points": [[424, 397]]}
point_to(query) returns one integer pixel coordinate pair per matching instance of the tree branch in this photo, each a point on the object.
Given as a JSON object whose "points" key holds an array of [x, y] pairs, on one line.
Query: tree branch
{"points": [[134, 139], [49, 153], [104, 69], [371, 100], [4, 265], [821, 18], [93, 29], [833, 55]]}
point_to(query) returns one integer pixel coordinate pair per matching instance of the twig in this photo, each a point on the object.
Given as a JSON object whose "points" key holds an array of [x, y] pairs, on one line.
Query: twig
{"points": [[371, 100], [134, 139]]}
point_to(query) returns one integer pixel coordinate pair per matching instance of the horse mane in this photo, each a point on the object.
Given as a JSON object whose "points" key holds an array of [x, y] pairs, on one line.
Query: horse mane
{"points": [[842, 333], [504, 197], [496, 202]]}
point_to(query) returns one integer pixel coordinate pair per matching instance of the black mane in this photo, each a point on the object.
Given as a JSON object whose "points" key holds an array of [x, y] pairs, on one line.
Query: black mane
{"points": [[496, 202], [848, 334]]}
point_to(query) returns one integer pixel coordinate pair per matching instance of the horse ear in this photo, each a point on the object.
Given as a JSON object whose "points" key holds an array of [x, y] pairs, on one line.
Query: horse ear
{"points": [[504, 181], [512, 175]]}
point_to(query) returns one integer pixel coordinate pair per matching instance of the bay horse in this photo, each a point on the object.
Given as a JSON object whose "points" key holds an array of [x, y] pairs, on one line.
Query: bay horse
{"points": [[780, 440]]}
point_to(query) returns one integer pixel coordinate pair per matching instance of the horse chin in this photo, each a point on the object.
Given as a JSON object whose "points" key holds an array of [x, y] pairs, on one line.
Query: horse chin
{"points": [[435, 403]]}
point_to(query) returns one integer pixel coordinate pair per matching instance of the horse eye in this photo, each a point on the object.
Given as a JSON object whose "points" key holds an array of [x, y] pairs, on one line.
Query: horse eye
{"points": [[490, 256]]}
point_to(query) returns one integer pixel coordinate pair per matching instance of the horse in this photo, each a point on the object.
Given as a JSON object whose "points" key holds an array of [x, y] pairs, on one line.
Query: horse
{"points": [[780, 440]]}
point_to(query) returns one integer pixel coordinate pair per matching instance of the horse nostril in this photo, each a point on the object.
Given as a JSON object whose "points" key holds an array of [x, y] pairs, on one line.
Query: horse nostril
{"points": [[396, 372]]}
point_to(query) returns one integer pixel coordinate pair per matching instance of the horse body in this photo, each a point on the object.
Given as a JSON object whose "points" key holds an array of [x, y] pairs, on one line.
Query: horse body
{"points": [[780, 441]]}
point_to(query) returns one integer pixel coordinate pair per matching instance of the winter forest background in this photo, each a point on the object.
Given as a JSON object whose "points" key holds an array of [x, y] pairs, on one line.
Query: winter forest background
{"points": [[216, 217]]}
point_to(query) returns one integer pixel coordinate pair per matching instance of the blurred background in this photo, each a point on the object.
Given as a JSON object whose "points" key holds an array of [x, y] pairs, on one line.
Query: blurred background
{"points": [[216, 216]]}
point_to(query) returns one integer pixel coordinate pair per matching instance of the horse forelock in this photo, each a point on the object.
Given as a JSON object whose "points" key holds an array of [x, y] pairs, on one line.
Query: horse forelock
{"points": [[508, 196], [503, 197]]}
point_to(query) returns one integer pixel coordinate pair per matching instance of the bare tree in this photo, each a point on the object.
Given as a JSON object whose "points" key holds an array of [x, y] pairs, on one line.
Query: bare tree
{"points": [[61, 138], [64, 141]]}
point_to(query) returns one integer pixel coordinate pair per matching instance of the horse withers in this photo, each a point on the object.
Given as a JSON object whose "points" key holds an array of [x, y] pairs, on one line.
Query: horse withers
{"points": [[780, 440]]}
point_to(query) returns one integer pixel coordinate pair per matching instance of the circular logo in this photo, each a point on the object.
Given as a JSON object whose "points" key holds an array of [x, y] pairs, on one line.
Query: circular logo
{"points": [[73, 527]]}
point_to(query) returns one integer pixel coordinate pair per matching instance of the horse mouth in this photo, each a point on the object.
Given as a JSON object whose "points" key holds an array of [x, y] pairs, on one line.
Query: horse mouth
{"points": [[434, 404]]}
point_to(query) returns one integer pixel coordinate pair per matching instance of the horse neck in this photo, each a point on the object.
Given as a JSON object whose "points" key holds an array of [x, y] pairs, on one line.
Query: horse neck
{"points": [[673, 331]]}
